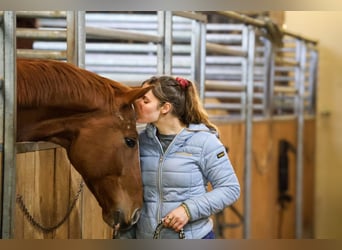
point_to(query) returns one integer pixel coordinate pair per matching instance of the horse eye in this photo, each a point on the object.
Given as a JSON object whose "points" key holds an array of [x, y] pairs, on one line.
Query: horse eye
{"points": [[130, 142]]}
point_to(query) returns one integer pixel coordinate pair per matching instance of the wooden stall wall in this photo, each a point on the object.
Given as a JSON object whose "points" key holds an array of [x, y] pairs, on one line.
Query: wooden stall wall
{"points": [[232, 136], [271, 219], [309, 159], [48, 184]]}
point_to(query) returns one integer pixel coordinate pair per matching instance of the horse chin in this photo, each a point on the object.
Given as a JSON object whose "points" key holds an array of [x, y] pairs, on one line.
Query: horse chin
{"points": [[117, 220]]}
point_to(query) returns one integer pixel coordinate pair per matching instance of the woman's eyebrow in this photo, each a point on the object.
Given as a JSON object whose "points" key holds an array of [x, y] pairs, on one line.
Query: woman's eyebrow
{"points": [[145, 98]]}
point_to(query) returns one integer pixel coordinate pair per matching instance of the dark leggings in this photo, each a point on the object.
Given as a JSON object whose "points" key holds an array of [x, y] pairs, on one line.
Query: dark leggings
{"points": [[209, 236]]}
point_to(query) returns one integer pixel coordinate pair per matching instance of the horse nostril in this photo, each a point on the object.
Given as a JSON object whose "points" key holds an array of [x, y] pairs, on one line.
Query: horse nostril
{"points": [[136, 216]]}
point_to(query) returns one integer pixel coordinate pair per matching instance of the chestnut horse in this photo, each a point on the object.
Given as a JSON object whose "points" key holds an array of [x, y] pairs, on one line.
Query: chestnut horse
{"points": [[93, 118]]}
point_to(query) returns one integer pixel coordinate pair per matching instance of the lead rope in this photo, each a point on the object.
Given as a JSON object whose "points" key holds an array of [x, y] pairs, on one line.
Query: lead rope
{"points": [[156, 235]]}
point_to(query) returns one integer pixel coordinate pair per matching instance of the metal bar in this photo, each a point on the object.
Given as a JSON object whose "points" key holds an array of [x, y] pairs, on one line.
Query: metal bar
{"points": [[191, 15], [261, 24], [76, 38], [160, 47], [42, 14], [248, 135], [221, 94], [223, 49], [229, 107], [300, 129], [288, 90], [312, 80], [30, 53], [269, 80], [110, 34], [203, 52], [196, 54], [167, 41], [72, 53], [224, 86], [281, 61], [46, 35], [9, 155], [2, 82], [243, 18]]}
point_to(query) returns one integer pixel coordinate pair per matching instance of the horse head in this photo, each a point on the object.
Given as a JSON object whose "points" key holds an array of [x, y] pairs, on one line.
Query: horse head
{"points": [[94, 120], [106, 153]]}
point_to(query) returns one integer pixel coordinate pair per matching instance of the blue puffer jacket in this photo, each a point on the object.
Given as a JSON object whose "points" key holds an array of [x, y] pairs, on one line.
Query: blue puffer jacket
{"points": [[195, 157]]}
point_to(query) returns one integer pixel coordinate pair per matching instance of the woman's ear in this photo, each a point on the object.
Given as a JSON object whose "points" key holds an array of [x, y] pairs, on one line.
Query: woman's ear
{"points": [[166, 108]]}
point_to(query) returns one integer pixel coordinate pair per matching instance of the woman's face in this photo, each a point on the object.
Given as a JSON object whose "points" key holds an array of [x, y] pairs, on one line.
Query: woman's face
{"points": [[147, 108]]}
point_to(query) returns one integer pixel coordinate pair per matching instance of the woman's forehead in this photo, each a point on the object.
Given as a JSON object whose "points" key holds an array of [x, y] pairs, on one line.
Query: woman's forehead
{"points": [[149, 94]]}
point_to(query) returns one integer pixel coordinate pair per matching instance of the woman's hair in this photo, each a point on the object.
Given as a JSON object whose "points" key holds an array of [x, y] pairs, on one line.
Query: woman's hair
{"points": [[182, 94]]}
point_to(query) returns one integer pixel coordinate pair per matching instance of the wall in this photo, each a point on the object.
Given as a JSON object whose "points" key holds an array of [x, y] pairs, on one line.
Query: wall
{"points": [[325, 27]]}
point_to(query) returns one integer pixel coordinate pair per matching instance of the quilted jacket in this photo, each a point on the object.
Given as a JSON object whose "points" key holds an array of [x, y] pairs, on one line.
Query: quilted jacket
{"points": [[180, 175]]}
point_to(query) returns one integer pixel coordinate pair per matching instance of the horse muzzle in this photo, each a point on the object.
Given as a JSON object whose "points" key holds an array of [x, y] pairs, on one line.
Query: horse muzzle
{"points": [[121, 224]]}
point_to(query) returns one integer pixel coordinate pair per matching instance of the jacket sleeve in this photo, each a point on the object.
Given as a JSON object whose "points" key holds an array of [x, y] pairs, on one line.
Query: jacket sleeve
{"points": [[218, 170]]}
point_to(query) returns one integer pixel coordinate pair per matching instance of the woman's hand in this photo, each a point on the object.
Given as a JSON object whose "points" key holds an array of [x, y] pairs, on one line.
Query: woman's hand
{"points": [[176, 219]]}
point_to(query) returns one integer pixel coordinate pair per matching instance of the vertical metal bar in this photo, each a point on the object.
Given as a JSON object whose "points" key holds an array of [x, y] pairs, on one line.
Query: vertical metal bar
{"points": [[248, 133], [160, 47], [269, 78], [203, 60], [198, 49], [71, 51], [313, 81], [168, 39], [301, 57], [76, 38], [81, 38], [2, 82], [315, 73], [9, 124], [244, 70], [2, 58], [195, 51]]}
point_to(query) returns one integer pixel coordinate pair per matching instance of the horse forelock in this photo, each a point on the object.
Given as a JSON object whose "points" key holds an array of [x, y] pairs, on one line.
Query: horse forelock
{"points": [[54, 83]]}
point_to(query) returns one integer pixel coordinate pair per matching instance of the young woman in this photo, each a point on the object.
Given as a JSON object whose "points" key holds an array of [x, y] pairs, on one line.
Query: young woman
{"points": [[180, 154]]}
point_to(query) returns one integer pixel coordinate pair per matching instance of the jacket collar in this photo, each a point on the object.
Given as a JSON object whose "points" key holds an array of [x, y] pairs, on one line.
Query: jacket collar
{"points": [[151, 130]]}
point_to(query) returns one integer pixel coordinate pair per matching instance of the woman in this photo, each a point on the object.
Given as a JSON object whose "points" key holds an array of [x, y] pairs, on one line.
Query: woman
{"points": [[180, 153]]}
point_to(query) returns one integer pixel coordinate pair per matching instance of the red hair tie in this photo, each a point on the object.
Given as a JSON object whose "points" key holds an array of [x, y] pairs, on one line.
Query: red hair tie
{"points": [[182, 82]]}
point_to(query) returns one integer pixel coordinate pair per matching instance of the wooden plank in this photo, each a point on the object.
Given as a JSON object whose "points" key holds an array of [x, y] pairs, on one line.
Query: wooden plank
{"points": [[75, 221], [62, 199], [268, 219], [232, 136], [93, 226]]}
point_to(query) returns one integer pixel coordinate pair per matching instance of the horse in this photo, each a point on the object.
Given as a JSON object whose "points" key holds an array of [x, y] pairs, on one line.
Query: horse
{"points": [[93, 118]]}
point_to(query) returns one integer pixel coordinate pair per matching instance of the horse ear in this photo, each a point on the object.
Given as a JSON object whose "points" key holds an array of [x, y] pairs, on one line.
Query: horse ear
{"points": [[135, 93]]}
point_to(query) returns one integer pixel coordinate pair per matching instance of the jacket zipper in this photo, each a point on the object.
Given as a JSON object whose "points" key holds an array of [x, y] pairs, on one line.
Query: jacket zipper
{"points": [[161, 159]]}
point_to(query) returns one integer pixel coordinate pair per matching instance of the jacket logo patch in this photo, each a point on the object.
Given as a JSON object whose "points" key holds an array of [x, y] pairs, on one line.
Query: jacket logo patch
{"points": [[219, 155]]}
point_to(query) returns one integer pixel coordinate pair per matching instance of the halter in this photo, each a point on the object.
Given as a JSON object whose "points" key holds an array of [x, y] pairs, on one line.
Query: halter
{"points": [[116, 226]]}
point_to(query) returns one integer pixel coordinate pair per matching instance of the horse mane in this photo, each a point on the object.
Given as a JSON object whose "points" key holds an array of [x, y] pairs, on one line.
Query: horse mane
{"points": [[43, 82]]}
